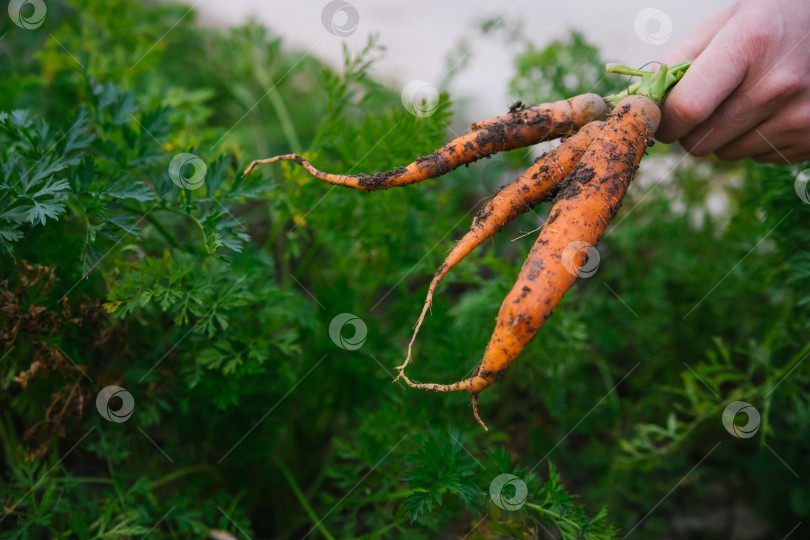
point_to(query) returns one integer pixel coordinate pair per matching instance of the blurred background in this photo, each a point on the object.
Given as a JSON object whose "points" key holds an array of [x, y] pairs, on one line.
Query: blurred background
{"points": [[187, 352], [433, 42]]}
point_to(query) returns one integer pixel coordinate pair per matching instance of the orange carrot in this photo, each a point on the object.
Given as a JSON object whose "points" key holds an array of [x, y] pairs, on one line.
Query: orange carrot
{"points": [[516, 129], [533, 187], [590, 198]]}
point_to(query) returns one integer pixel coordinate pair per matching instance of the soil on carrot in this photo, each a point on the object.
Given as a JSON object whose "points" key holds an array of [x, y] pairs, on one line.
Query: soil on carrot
{"points": [[499, 134], [572, 185], [482, 214], [377, 180]]}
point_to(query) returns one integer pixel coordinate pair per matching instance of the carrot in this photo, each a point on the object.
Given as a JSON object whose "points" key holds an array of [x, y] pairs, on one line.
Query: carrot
{"points": [[589, 200], [516, 129], [533, 187]]}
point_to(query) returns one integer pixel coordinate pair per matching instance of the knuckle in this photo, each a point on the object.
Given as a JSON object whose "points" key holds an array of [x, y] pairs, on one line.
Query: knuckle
{"points": [[799, 122], [784, 85], [738, 109], [756, 39], [795, 121]]}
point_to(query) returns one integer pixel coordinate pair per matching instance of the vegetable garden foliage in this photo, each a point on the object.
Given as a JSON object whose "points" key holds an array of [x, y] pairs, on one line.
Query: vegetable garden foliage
{"points": [[212, 308]]}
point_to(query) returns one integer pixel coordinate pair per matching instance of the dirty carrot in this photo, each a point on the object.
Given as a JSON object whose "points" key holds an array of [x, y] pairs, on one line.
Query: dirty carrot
{"points": [[536, 185], [516, 129], [590, 198]]}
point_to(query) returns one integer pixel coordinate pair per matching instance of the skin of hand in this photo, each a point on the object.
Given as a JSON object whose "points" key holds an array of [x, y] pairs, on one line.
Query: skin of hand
{"points": [[748, 92]]}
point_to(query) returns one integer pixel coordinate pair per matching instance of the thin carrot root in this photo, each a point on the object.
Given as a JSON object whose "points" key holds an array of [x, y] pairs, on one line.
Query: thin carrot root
{"points": [[532, 187], [516, 129], [474, 400], [425, 308], [466, 384], [284, 157], [456, 386]]}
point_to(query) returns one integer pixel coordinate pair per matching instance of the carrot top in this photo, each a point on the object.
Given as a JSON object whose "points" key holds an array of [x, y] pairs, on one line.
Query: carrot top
{"points": [[653, 84]]}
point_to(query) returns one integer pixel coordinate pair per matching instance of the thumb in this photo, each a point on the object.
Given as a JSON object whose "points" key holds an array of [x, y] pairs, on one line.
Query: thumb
{"points": [[717, 71], [700, 37]]}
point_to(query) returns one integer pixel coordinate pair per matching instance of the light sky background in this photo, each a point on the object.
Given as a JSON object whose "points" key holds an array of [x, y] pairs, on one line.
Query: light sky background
{"points": [[419, 34]]}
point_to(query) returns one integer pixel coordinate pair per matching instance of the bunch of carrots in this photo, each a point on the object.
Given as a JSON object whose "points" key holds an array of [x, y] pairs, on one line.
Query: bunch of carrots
{"points": [[585, 177]]}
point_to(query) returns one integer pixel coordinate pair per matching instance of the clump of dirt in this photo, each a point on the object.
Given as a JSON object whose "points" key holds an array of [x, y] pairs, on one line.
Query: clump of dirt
{"points": [[379, 180], [570, 187], [482, 214]]}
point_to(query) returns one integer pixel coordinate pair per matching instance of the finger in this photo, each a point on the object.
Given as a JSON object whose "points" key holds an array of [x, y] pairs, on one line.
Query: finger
{"points": [[735, 117], [784, 156], [716, 72], [763, 139], [697, 40]]}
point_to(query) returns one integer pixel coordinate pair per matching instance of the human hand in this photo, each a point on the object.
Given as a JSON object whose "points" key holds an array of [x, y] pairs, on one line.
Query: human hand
{"points": [[748, 92]]}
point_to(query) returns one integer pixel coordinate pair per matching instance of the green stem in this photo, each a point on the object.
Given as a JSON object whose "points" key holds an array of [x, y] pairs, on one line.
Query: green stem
{"points": [[8, 436], [627, 70], [393, 496], [84, 480], [156, 224], [623, 70], [178, 473], [187, 199], [554, 515], [287, 125], [300, 496], [284, 118], [654, 84], [110, 469], [379, 532]]}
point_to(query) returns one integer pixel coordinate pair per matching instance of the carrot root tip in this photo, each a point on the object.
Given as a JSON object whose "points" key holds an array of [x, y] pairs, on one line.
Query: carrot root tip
{"points": [[475, 410]]}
